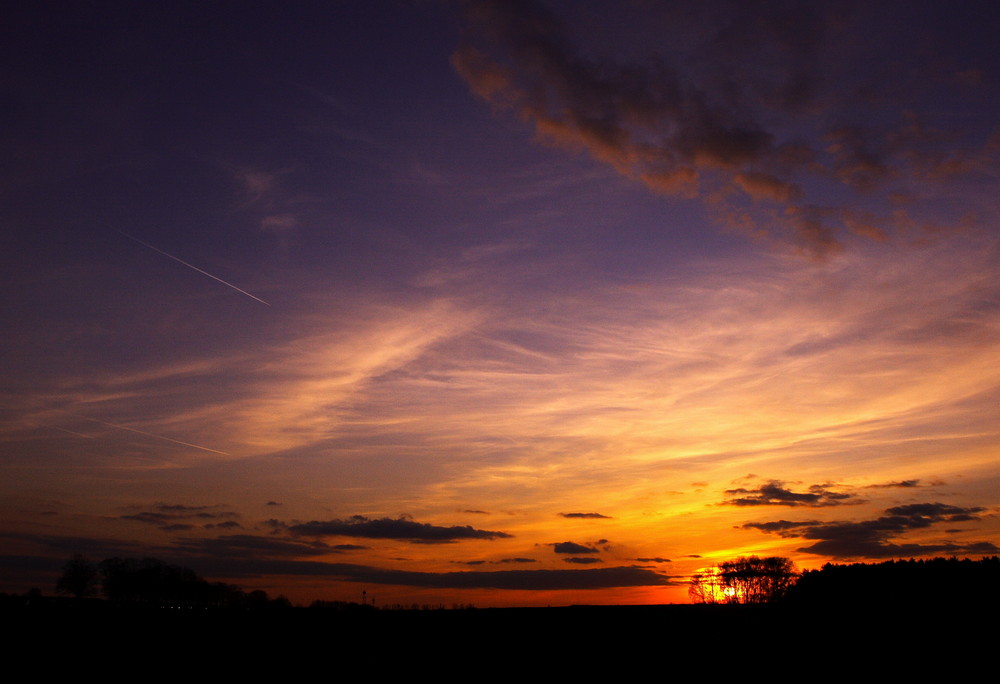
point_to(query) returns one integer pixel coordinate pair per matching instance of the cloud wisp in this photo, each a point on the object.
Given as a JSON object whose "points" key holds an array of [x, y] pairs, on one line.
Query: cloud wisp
{"points": [[573, 548], [178, 517], [518, 580], [874, 538], [768, 153], [400, 529], [774, 493], [586, 516]]}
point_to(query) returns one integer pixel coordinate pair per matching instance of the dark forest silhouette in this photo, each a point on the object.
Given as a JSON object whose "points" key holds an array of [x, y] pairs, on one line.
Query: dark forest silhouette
{"points": [[865, 612], [931, 583], [934, 584], [153, 582]]}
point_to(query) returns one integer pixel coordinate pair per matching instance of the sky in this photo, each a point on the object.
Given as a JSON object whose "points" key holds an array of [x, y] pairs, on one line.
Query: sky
{"points": [[497, 303]]}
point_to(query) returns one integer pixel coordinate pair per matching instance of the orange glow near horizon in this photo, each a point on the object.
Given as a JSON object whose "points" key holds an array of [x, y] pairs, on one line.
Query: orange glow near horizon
{"points": [[703, 319]]}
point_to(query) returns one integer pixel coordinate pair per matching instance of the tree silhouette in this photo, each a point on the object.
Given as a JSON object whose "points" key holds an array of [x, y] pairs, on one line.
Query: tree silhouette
{"points": [[150, 581], [748, 579], [706, 587], [79, 578]]}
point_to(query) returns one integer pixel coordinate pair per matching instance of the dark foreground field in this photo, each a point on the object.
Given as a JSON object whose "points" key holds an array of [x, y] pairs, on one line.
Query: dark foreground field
{"points": [[894, 620], [566, 642]]}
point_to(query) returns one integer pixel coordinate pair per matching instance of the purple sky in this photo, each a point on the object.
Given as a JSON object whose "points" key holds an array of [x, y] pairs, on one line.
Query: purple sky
{"points": [[497, 302]]}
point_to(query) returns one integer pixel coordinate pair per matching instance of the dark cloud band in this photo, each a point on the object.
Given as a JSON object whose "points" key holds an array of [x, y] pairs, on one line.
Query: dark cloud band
{"points": [[401, 529]]}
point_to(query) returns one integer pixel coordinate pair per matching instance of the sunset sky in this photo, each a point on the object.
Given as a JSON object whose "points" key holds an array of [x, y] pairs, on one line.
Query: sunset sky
{"points": [[497, 302]]}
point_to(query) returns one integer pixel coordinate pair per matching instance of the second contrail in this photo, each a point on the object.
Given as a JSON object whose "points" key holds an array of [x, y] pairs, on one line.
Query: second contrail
{"points": [[141, 432], [171, 256]]}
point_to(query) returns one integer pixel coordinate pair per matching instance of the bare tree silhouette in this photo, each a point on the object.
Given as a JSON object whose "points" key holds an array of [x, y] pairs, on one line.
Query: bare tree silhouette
{"points": [[748, 579], [79, 578]]}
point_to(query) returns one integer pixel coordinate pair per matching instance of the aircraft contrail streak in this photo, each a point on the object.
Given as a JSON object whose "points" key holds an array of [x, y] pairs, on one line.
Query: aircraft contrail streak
{"points": [[78, 434], [147, 434], [171, 256]]}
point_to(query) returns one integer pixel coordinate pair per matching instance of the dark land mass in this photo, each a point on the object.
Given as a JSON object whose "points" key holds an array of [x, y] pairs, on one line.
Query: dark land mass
{"points": [[507, 639], [918, 613]]}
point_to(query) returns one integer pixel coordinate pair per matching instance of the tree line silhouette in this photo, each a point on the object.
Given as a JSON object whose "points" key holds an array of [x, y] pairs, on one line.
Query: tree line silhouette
{"points": [[150, 581], [932, 583], [935, 582]]}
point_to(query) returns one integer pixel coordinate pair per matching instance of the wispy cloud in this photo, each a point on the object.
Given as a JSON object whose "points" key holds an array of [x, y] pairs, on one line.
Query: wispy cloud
{"points": [[774, 493], [521, 580], [763, 151], [173, 517], [573, 548], [874, 538], [393, 528], [586, 516]]}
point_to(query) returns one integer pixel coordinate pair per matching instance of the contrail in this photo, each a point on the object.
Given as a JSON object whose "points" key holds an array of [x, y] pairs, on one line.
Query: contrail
{"points": [[78, 434], [147, 434], [156, 249]]}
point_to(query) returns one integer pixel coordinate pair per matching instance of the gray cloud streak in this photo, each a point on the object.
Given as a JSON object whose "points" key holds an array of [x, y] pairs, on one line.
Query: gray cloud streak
{"points": [[871, 538], [534, 580], [749, 146], [389, 528]]}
